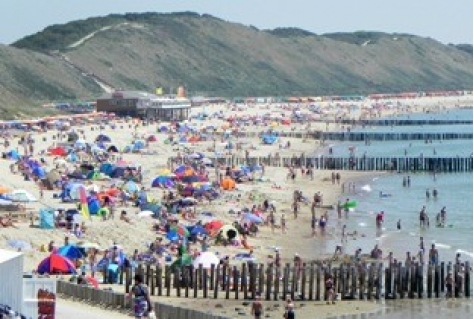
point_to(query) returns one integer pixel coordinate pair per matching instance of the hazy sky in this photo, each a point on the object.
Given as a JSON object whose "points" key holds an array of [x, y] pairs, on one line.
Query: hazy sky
{"points": [[443, 20]]}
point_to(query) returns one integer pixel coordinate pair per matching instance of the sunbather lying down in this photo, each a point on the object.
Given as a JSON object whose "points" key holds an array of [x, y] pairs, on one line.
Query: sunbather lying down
{"points": [[6, 222]]}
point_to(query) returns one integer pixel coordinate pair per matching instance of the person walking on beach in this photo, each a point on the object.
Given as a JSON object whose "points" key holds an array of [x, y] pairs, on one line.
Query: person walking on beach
{"points": [[283, 223], [329, 286], [433, 255], [399, 224], [141, 303], [257, 308], [295, 207], [449, 285], [314, 221], [427, 193]]}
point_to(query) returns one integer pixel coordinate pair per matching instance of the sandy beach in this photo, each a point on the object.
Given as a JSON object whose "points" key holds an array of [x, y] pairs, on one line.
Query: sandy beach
{"points": [[273, 186]]}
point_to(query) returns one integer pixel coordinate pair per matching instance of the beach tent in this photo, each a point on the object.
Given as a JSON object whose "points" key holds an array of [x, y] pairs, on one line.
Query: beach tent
{"points": [[112, 149], [57, 151], [21, 195], [229, 231], [131, 187], [39, 172], [71, 252], [228, 184], [13, 154], [46, 218], [103, 138], [252, 218], [94, 205], [56, 264], [206, 259], [152, 138], [269, 139], [80, 144]]}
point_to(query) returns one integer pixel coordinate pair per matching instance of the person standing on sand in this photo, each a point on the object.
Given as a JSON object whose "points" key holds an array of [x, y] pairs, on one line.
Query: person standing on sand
{"points": [[283, 223], [295, 207], [314, 221], [257, 308], [141, 303]]}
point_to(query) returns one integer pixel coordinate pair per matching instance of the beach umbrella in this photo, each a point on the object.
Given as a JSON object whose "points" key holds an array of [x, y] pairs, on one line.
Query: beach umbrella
{"points": [[88, 245], [172, 235], [350, 204], [214, 225], [56, 264], [252, 218], [19, 244], [206, 259], [92, 281], [103, 138], [198, 230], [145, 213], [180, 230], [71, 252]]}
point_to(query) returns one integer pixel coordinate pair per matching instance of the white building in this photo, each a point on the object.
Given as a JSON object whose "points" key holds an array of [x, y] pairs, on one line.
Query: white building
{"points": [[11, 279]]}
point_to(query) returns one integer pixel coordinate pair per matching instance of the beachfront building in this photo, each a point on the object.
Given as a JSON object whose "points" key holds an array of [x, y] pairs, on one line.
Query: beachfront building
{"points": [[144, 105], [11, 279]]}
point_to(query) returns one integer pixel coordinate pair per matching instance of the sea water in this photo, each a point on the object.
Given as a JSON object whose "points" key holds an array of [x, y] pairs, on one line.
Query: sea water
{"points": [[455, 192]]}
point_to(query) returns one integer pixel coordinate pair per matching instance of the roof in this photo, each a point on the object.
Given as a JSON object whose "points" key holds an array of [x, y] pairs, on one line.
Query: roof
{"points": [[129, 95], [6, 255]]}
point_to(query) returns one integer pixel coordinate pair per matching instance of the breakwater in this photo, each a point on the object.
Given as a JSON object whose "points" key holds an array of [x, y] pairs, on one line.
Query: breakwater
{"points": [[364, 163], [396, 122]]}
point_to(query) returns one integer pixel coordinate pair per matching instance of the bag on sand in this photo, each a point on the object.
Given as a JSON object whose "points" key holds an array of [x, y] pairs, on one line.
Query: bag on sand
{"points": [[152, 315]]}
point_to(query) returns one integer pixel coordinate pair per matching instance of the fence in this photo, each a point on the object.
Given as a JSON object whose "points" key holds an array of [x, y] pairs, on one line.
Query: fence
{"points": [[117, 301], [401, 164]]}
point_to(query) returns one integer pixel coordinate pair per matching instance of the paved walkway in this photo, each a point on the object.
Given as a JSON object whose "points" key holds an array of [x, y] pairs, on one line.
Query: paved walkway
{"points": [[76, 310]]}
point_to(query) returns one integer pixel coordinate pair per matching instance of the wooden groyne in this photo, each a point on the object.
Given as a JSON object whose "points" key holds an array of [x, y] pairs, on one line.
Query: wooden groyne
{"points": [[388, 136], [395, 122], [359, 136], [398, 164], [363, 281]]}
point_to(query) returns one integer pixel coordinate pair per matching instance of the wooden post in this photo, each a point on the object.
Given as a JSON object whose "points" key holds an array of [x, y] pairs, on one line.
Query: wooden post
{"points": [[152, 281], [253, 279], [243, 280], [370, 283], [213, 269], [378, 283], [311, 282], [411, 295], [228, 273], [200, 275], [467, 279], [318, 282], [269, 281], [121, 274], [128, 279], [187, 271], [159, 280], [437, 281], [104, 275], [286, 276], [261, 278], [442, 276], [168, 280], [176, 281], [294, 282], [429, 275], [387, 283], [235, 276], [396, 282], [148, 275], [195, 283], [303, 282], [204, 282], [216, 283], [277, 283], [457, 281], [353, 282], [419, 279], [362, 282]]}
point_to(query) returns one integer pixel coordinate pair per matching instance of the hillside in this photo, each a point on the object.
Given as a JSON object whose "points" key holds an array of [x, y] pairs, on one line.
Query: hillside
{"points": [[214, 57], [29, 78]]}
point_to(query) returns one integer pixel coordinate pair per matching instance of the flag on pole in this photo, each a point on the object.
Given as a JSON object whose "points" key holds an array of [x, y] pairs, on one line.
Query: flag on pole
{"points": [[84, 206], [159, 91]]}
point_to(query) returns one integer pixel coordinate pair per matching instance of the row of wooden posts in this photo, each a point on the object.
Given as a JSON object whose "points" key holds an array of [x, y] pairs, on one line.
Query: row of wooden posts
{"points": [[351, 280], [364, 163], [395, 122], [360, 136]]}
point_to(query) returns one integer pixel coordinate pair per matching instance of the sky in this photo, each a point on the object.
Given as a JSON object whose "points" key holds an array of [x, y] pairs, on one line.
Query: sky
{"points": [[446, 21]]}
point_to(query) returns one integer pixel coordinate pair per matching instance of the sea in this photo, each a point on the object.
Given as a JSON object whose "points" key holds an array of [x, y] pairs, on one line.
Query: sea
{"points": [[399, 202]]}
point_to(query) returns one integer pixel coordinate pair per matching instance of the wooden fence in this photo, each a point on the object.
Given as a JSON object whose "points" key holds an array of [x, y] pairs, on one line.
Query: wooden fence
{"points": [[364, 163], [352, 281], [117, 301]]}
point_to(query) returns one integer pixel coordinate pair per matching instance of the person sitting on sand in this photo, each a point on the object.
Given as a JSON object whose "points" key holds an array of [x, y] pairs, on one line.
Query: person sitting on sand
{"points": [[123, 216], [6, 222]]}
